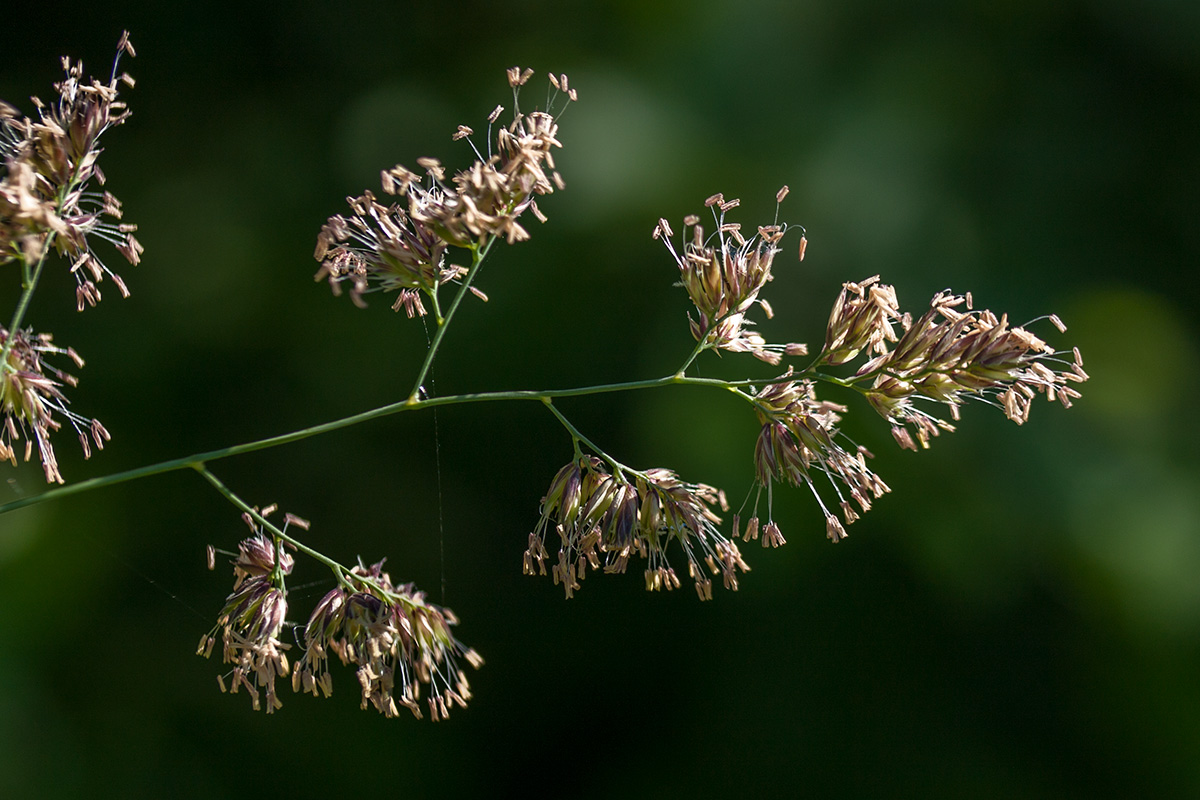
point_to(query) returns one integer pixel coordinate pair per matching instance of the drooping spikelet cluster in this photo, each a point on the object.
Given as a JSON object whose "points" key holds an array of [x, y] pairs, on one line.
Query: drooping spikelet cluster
{"points": [[604, 519], [33, 403], [724, 275], [253, 616], [399, 641], [951, 354], [403, 246], [799, 435], [46, 185]]}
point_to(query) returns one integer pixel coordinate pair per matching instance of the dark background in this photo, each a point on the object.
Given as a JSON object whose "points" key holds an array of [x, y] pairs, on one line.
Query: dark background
{"points": [[1020, 618]]}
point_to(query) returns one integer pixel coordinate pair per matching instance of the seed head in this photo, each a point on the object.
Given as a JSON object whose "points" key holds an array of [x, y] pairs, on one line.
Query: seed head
{"points": [[799, 438], [33, 403], [254, 613], [249, 626], [724, 275], [399, 641], [862, 319], [603, 520], [950, 355], [48, 168], [404, 246]]}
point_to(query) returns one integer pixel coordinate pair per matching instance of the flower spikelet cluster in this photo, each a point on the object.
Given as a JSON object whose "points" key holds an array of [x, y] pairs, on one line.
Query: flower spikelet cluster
{"points": [[799, 435], [951, 354], [252, 618], [402, 246], [862, 319], [399, 641], [604, 519], [724, 275], [33, 403], [46, 182]]}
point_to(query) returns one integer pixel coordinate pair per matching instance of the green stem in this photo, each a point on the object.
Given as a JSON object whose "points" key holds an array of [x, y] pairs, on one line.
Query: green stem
{"points": [[836, 381], [577, 437], [344, 575], [241, 504], [478, 254], [191, 461], [29, 284], [437, 308], [700, 347]]}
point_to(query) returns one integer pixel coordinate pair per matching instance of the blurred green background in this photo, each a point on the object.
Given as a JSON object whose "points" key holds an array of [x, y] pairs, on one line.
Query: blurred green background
{"points": [[1020, 618]]}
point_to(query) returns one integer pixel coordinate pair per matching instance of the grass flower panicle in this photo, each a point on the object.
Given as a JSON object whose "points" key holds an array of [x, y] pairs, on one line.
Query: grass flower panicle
{"points": [[398, 640], [724, 275], [604, 519], [409, 241], [33, 403], [951, 354], [253, 616], [403, 246], [250, 624], [799, 434], [862, 319], [48, 168]]}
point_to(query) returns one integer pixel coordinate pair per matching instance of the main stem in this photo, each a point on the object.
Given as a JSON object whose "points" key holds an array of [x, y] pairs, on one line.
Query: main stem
{"points": [[198, 459]]}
